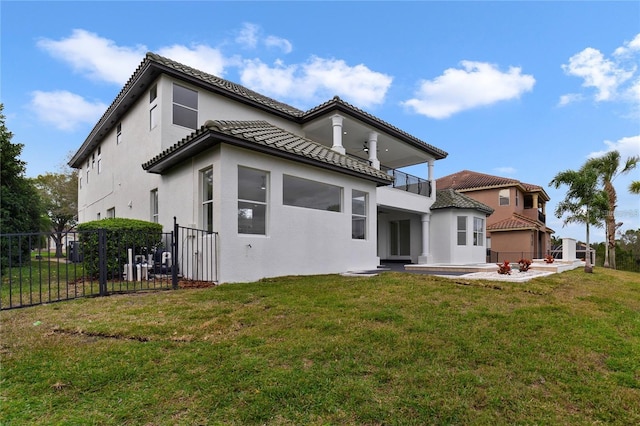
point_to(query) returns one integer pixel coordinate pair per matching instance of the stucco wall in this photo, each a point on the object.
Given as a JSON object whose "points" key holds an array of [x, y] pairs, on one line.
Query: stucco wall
{"points": [[513, 242], [123, 183], [444, 238], [299, 241]]}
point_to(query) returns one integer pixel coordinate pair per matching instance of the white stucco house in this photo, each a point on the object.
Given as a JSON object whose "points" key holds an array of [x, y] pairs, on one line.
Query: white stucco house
{"points": [[289, 192]]}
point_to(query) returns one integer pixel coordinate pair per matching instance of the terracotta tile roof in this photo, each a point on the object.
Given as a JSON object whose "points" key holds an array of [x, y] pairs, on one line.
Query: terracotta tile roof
{"points": [[448, 198], [265, 137], [467, 180], [516, 221]]}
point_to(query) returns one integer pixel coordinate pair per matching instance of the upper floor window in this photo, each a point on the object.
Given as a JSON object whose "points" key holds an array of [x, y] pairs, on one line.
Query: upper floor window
{"points": [[153, 117], [153, 93], [503, 197], [185, 107], [252, 201], [462, 230], [99, 160], [359, 201], [111, 213], [311, 194], [119, 133]]}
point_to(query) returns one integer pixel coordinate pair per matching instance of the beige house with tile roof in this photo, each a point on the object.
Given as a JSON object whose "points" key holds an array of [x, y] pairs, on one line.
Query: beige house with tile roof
{"points": [[289, 192], [517, 227]]}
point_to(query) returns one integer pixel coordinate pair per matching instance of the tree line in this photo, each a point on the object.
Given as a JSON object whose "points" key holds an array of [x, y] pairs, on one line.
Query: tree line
{"points": [[47, 203], [591, 198]]}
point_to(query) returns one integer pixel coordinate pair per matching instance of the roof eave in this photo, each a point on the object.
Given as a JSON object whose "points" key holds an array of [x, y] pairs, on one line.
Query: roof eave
{"points": [[329, 107], [207, 139]]}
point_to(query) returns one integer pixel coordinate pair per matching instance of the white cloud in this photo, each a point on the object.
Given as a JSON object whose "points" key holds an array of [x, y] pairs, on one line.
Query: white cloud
{"points": [[628, 47], [598, 72], [278, 43], [65, 110], [569, 98], [248, 35], [317, 78], [276, 81], [505, 170], [477, 84], [201, 57], [612, 78], [96, 57], [627, 147]]}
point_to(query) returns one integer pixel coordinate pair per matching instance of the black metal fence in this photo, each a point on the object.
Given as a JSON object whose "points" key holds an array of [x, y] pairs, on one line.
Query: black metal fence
{"points": [[99, 263]]}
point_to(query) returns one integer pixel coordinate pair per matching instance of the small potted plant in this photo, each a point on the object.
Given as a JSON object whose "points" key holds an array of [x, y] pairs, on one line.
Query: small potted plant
{"points": [[504, 268], [525, 264]]}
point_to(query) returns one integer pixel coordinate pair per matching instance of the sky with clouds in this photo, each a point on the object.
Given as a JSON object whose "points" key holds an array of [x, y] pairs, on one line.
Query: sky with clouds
{"points": [[515, 89]]}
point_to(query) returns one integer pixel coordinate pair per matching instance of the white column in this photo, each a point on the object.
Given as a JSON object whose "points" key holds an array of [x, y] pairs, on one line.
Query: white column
{"points": [[336, 120], [432, 179], [424, 256], [373, 150]]}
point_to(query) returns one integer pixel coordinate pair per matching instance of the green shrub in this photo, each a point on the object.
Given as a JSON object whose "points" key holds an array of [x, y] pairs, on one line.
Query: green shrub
{"points": [[121, 234]]}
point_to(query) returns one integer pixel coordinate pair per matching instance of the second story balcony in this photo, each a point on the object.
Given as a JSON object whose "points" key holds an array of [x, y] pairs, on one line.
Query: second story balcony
{"points": [[406, 182]]}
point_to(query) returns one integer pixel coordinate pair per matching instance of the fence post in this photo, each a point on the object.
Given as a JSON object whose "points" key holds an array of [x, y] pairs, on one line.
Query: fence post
{"points": [[174, 255], [102, 261]]}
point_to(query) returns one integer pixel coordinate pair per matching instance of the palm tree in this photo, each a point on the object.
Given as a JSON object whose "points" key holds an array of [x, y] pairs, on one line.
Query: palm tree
{"points": [[607, 168], [634, 188], [583, 202]]}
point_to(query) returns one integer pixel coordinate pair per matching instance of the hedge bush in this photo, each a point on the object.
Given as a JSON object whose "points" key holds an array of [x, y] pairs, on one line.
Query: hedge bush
{"points": [[121, 234]]}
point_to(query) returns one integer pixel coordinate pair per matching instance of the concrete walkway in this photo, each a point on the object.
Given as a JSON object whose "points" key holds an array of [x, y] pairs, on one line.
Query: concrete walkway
{"points": [[483, 271]]}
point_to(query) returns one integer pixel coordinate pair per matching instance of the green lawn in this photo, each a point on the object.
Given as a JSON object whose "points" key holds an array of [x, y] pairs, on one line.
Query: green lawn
{"points": [[44, 279], [393, 349]]}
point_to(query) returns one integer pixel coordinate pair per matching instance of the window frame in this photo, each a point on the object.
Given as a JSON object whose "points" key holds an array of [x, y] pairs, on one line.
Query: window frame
{"points": [[246, 201], [153, 117], [153, 205], [153, 93], [99, 162], [461, 231], [502, 197], [206, 181], [310, 193], [359, 217], [478, 231], [119, 133], [176, 104]]}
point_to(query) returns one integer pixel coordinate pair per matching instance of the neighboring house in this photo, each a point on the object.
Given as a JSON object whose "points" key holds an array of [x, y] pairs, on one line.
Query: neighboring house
{"points": [[458, 228], [289, 192], [517, 226]]}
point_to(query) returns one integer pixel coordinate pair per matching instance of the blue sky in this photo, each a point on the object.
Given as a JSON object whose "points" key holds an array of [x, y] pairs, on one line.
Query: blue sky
{"points": [[514, 89]]}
